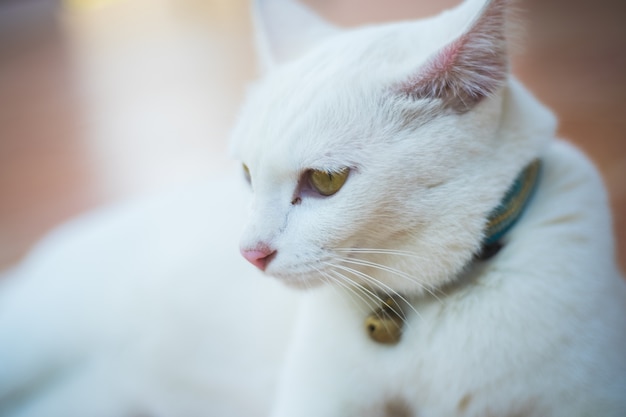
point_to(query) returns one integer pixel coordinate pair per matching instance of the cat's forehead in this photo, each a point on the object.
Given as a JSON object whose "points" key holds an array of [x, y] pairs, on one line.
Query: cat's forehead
{"points": [[336, 82], [301, 114], [292, 132]]}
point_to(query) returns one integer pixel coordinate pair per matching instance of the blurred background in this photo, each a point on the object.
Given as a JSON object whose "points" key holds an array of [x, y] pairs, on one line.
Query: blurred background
{"points": [[102, 100]]}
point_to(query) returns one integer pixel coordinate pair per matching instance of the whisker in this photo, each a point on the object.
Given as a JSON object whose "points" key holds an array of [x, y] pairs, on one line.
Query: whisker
{"points": [[372, 296], [394, 252], [340, 284], [394, 271], [381, 252], [385, 288], [373, 299], [388, 291]]}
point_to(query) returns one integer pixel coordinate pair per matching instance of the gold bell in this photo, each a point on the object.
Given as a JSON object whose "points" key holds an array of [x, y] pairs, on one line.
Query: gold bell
{"points": [[385, 324]]}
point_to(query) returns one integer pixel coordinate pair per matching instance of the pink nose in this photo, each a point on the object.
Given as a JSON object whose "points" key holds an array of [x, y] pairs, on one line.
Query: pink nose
{"points": [[259, 256]]}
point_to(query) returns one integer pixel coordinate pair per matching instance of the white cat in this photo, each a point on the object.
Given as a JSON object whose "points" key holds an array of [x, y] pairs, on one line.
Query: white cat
{"points": [[391, 160]]}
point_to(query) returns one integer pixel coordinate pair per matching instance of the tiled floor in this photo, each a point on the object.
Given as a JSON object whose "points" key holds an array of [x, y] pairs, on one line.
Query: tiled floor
{"points": [[109, 104]]}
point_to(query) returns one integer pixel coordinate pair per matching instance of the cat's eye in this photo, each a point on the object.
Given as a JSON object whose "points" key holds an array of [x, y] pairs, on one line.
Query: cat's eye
{"points": [[246, 173], [328, 183]]}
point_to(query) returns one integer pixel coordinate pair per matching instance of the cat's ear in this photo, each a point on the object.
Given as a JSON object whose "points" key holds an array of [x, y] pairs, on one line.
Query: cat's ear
{"points": [[470, 67], [285, 29]]}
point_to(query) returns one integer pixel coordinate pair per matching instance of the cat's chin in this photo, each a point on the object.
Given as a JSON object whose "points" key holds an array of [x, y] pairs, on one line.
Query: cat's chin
{"points": [[299, 282]]}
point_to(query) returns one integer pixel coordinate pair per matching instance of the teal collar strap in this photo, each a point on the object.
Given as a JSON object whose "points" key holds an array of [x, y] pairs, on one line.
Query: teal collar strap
{"points": [[510, 209]]}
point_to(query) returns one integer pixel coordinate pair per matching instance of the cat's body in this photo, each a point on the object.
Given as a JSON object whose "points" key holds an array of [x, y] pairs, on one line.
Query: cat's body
{"points": [[144, 309], [426, 132]]}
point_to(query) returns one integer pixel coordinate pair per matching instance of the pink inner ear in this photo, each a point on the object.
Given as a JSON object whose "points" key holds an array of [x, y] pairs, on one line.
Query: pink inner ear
{"points": [[469, 68]]}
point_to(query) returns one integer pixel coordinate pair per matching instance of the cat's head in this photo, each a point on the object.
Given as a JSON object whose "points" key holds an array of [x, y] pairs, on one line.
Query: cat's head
{"points": [[378, 152]]}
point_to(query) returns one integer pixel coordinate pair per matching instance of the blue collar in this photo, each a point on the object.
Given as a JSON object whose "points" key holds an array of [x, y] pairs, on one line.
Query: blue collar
{"points": [[512, 206]]}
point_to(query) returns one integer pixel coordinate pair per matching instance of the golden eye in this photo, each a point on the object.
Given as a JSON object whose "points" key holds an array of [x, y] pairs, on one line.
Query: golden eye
{"points": [[246, 173], [328, 183]]}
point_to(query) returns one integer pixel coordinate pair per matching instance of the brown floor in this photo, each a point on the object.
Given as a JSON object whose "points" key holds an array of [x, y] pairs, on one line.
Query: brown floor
{"points": [[43, 177], [575, 61]]}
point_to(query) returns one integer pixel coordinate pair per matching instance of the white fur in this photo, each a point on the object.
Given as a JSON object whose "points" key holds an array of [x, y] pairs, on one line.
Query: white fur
{"points": [[140, 309], [148, 309]]}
